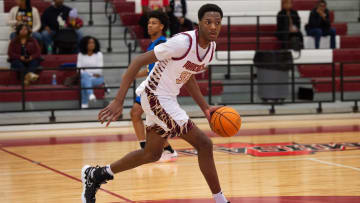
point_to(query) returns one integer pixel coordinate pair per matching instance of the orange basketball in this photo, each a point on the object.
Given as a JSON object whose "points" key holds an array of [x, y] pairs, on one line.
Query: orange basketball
{"points": [[226, 121]]}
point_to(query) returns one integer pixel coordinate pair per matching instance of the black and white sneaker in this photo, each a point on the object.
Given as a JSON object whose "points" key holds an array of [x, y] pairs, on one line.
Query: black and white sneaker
{"points": [[92, 178]]}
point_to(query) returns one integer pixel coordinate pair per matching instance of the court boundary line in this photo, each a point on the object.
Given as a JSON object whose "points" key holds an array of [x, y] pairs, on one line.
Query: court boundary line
{"points": [[56, 140], [61, 173], [224, 162], [333, 164]]}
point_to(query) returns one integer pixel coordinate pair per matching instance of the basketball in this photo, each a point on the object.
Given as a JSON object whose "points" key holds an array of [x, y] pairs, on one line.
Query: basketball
{"points": [[225, 121]]}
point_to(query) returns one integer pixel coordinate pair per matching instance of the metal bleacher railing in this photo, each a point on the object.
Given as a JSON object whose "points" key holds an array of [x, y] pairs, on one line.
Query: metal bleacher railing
{"points": [[230, 64]]}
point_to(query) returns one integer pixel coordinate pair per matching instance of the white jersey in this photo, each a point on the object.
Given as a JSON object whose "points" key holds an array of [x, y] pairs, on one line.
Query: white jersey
{"points": [[171, 73]]}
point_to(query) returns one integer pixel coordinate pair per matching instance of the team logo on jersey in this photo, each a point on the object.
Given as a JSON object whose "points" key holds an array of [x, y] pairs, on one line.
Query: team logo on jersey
{"points": [[278, 149], [194, 67]]}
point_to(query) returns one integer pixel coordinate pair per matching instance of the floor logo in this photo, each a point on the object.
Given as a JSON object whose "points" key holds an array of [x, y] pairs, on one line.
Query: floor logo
{"points": [[277, 149]]}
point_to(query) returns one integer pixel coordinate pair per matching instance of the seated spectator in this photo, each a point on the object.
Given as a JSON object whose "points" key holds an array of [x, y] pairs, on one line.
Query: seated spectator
{"points": [[74, 21], [288, 27], [153, 5], [319, 24], [23, 13], [53, 20], [177, 15], [90, 56], [24, 54]]}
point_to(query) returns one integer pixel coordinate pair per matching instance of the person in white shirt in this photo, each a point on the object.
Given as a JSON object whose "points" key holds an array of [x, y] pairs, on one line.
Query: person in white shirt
{"points": [[177, 60], [90, 56], [24, 13]]}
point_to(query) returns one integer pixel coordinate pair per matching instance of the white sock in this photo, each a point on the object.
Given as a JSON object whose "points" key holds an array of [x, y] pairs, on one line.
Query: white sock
{"points": [[220, 198], [108, 169]]}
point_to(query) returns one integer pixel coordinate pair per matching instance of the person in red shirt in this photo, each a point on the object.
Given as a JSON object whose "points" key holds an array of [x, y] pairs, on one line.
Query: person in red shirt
{"points": [[154, 5], [73, 20], [147, 7], [24, 54]]}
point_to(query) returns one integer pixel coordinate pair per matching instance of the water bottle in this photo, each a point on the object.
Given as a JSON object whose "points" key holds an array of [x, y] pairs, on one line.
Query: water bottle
{"points": [[49, 51], [53, 82]]}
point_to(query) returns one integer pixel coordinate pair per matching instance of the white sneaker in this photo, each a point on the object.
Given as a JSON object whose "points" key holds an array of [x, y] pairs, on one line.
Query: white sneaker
{"points": [[167, 156], [92, 97], [84, 106]]}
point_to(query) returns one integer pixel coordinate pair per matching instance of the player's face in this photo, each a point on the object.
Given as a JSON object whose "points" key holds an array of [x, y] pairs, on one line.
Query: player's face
{"points": [[210, 25], [154, 26]]}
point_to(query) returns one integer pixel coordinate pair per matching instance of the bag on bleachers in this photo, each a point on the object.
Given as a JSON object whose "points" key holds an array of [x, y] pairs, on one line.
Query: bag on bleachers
{"points": [[273, 67], [296, 43], [65, 41]]}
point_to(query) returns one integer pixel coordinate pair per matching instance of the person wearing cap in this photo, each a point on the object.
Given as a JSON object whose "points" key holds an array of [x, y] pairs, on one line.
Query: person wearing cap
{"points": [[76, 23]]}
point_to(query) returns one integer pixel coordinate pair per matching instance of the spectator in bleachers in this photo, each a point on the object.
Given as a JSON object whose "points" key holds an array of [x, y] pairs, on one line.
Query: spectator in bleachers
{"points": [[74, 21], [153, 5], [24, 54], [53, 20], [24, 13], [288, 27], [319, 24], [90, 56], [177, 16]]}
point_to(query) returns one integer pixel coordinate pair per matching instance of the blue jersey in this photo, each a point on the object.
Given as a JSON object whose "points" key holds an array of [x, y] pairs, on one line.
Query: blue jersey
{"points": [[152, 45]]}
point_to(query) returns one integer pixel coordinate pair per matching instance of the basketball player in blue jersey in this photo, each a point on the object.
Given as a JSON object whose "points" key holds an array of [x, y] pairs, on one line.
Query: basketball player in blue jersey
{"points": [[157, 26], [177, 60]]}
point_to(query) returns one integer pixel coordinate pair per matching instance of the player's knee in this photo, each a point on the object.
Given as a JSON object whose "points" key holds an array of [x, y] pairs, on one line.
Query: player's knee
{"points": [[135, 113], [153, 156], [205, 143]]}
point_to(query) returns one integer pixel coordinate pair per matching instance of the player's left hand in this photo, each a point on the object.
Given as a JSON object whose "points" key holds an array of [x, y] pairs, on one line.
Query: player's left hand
{"points": [[110, 113]]}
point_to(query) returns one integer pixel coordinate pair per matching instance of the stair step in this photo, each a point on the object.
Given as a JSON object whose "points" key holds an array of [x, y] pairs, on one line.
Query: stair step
{"points": [[83, 6], [102, 31], [98, 19], [344, 5], [5, 32], [353, 28], [346, 16]]}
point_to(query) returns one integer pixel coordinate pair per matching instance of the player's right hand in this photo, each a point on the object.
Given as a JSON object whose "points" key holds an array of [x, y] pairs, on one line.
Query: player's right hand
{"points": [[110, 113]]}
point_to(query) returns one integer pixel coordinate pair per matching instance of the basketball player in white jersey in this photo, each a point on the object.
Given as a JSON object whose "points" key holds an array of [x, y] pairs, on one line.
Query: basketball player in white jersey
{"points": [[177, 60]]}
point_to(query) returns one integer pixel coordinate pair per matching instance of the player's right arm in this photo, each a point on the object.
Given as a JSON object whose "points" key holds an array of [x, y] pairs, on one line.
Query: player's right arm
{"points": [[114, 109], [142, 73]]}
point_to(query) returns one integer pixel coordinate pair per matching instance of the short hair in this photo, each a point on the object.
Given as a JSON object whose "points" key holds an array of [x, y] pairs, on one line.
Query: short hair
{"points": [[208, 8], [321, 2], [84, 44], [162, 17]]}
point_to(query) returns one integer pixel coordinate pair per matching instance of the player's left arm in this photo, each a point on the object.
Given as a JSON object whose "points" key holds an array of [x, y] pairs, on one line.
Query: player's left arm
{"points": [[194, 90]]}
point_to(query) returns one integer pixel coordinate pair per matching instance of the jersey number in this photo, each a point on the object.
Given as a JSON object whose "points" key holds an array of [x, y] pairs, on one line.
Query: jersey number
{"points": [[184, 77]]}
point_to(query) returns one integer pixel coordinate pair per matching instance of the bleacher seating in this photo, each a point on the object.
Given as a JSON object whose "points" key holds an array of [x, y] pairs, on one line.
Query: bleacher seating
{"points": [[350, 84], [318, 71], [304, 4], [243, 38], [9, 81], [41, 5]]}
